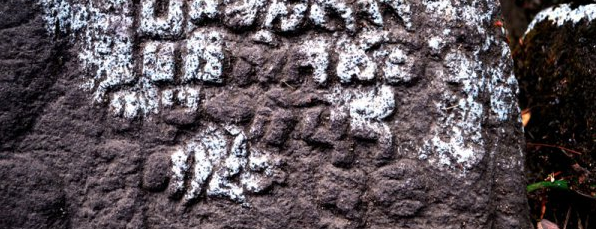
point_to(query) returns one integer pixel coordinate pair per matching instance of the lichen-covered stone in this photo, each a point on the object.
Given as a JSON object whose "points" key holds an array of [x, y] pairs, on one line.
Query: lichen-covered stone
{"points": [[273, 114], [556, 62]]}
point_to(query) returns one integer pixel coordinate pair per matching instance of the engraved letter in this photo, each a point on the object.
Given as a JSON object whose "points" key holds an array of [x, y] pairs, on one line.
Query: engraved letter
{"points": [[278, 9], [203, 48], [169, 25]]}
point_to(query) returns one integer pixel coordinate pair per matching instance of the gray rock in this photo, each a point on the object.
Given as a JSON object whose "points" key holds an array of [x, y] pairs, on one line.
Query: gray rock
{"points": [[323, 125]]}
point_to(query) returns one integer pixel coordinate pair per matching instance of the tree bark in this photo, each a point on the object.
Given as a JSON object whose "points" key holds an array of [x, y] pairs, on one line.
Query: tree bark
{"points": [[258, 114]]}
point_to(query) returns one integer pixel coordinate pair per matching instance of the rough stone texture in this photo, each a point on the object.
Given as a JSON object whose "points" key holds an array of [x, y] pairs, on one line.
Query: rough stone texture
{"points": [[333, 114], [557, 62]]}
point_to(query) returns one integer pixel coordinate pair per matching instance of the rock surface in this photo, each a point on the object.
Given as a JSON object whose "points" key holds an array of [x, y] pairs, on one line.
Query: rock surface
{"points": [[556, 65], [258, 114]]}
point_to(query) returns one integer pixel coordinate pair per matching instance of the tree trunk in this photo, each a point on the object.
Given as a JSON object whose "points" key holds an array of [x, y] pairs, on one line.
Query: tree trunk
{"points": [[259, 114]]}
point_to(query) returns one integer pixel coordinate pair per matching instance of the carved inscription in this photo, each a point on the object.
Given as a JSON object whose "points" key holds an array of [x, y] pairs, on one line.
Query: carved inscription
{"points": [[252, 75]]}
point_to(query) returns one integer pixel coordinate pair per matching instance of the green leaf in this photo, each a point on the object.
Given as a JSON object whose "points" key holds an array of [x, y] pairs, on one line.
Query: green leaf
{"points": [[559, 184]]}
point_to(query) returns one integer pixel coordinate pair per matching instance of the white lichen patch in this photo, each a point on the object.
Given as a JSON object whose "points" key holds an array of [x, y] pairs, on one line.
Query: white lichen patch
{"points": [[158, 61], [57, 15], [443, 9], [435, 44], [372, 10], [203, 47], [320, 9], [179, 168], [503, 86], [474, 18], [179, 50], [366, 109], [158, 66], [105, 35], [264, 36], [106, 47], [353, 62], [203, 9], [167, 25], [241, 13], [289, 17], [457, 135], [317, 57], [189, 97], [368, 38], [373, 105], [397, 65], [468, 13], [561, 14], [105, 32], [456, 139], [219, 155], [402, 9], [143, 100]]}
